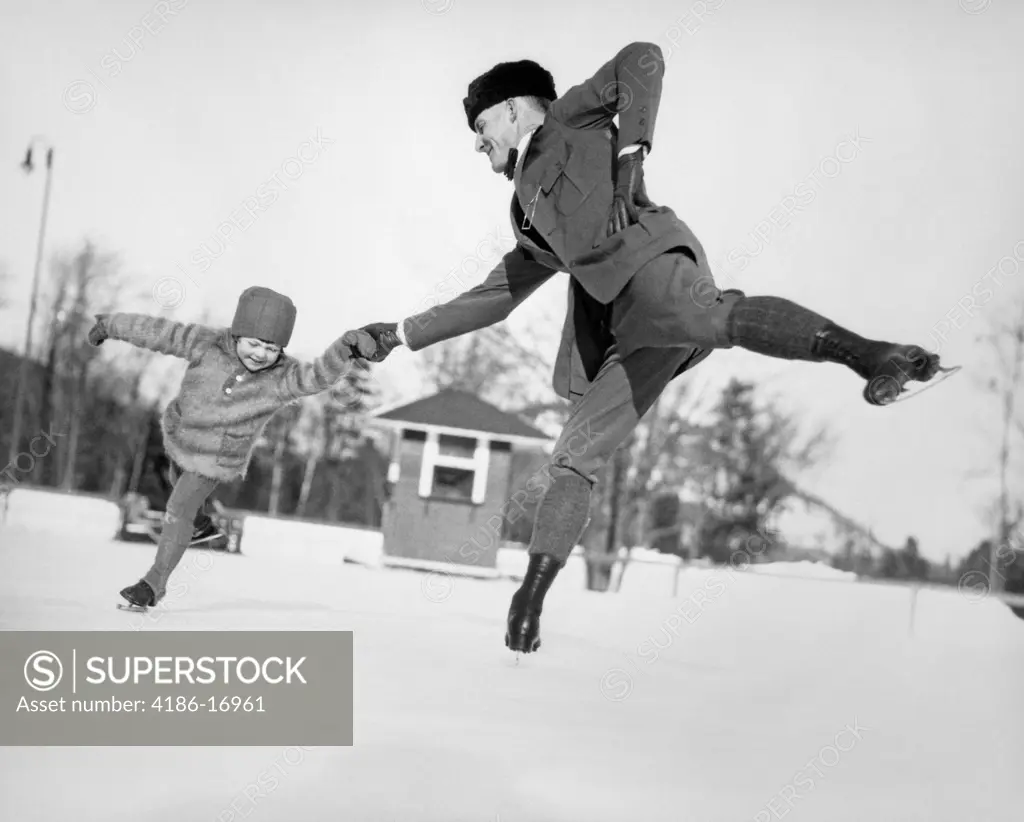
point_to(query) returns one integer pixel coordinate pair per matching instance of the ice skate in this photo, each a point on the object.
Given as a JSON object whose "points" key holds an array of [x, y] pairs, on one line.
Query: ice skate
{"points": [[522, 632], [205, 533], [140, 597], [898, 365], [887, 367], [200, 536]]}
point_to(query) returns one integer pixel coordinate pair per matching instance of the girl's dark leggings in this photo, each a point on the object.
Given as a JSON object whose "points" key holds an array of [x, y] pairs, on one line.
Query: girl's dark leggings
{"points": [[190, 493]]}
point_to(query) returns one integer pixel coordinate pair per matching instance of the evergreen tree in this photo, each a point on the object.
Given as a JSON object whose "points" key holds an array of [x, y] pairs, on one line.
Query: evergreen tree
{"points": [[743, 458]]}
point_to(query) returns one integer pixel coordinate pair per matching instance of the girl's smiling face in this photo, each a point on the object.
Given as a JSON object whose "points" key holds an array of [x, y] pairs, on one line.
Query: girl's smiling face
{"points": [[257, 355]]}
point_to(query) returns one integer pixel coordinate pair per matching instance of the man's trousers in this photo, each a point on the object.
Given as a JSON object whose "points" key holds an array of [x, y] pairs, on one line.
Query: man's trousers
{"points": [[667, 318]]}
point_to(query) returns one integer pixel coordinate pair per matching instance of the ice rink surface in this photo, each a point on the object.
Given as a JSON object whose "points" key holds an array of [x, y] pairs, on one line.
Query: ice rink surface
{"points": [[746, 697]]}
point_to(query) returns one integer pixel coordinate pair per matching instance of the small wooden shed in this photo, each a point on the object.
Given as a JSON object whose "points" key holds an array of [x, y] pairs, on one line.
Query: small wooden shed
{"points": [[450, 477]]}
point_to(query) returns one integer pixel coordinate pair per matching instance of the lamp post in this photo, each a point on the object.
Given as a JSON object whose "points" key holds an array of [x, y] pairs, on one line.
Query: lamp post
{"points": [[23, 369]]}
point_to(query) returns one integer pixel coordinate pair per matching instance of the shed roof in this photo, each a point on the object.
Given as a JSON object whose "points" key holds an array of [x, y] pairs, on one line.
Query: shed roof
{"points": [[455, 409]]}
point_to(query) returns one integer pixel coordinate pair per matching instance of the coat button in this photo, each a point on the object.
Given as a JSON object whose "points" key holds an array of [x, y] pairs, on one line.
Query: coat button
{"points": [[238, 378], [227, 390]]}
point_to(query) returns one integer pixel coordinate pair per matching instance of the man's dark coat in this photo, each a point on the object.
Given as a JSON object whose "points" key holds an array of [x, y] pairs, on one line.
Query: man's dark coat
{"points": [[564, 188]]}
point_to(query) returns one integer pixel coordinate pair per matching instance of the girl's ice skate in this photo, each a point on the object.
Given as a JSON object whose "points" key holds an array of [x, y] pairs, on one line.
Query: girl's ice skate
{"points": [[140, 597]]}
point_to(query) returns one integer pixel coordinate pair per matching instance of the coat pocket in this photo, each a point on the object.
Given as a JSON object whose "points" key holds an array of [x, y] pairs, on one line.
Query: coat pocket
{"points": [[234, 448], [172, 419], [573, 194], [566, 186]]}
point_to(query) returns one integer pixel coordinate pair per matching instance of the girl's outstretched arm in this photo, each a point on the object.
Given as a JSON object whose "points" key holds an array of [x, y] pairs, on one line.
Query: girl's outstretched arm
{"points": [[303, 379], [184, 340]]}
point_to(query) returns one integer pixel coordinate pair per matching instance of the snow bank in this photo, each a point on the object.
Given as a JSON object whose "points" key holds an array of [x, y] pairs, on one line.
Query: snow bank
{"points": [[803, 568], [61, 514], [649, 573], [272, 538], [511, 561]]}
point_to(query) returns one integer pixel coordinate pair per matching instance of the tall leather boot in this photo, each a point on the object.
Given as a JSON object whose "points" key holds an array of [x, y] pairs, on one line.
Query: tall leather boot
{"points": [[887, 367], [523, 628]]}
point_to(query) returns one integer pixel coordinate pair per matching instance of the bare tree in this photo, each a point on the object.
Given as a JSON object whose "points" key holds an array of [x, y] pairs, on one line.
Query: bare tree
{"points": [[311, 435], [80, 286], [126, 434], [329, 426], [492, 364], [652, 459], [1005, 380], [278, 435]]}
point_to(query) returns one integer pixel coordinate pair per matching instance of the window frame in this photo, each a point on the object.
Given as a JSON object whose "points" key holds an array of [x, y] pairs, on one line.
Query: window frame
{"points": [[479, 464]]}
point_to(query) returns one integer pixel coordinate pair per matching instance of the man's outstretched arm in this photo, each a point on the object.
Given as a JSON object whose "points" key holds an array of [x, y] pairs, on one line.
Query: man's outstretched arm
{"points": [[510, 282]]}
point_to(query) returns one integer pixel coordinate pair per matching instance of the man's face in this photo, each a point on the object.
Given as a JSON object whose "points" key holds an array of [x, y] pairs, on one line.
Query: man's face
{"points": [[497, 133]]}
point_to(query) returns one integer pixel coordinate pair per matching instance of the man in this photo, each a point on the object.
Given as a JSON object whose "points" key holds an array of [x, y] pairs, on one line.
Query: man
{"points": [[643, 304]]}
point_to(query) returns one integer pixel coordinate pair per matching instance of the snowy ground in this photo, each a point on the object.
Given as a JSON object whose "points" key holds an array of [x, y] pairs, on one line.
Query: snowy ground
{"points": [[724, 705]]}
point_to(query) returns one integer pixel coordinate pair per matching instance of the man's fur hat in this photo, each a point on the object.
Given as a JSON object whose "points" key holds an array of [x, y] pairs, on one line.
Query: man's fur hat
{"points": [[524, 78]]}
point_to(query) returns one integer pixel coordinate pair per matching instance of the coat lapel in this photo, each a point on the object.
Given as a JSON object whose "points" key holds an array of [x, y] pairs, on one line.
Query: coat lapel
{"points": [[543, 163]]}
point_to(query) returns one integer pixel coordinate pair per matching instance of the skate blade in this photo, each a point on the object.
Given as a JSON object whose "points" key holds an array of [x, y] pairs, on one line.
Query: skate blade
{"points": [[943, 375], [138, 609]]}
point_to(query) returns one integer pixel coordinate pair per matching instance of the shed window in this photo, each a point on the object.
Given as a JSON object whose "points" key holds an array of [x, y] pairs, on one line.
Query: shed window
{"points": [[449, 446], [455, 467], [453, 483]]}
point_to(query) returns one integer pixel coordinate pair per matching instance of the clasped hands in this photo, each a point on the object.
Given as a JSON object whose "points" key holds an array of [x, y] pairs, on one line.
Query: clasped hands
{"points": [[373, 342]]}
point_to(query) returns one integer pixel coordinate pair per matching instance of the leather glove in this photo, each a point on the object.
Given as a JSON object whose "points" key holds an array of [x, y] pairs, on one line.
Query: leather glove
{"points": [[385, 339], [361, 343], [97, 334], [630, 192]]}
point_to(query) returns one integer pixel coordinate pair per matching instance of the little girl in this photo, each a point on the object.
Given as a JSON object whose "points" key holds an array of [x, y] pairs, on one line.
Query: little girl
{"points": [[236, 380]]}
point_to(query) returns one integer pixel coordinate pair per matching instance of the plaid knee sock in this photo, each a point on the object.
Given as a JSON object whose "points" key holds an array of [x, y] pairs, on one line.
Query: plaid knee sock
{"points": [[777, 327], [562, 515]]}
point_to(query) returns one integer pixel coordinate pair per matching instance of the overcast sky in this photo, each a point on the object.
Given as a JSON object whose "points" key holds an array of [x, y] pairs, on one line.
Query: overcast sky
{"points": [[862, 158]]}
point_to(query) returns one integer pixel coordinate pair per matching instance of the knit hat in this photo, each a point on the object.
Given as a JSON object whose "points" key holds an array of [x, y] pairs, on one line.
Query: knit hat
{"points": [[520, 79], [265, 315]]}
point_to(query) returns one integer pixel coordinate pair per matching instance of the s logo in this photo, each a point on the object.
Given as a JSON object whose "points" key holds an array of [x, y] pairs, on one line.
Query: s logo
{"points": [[43, 671]]}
